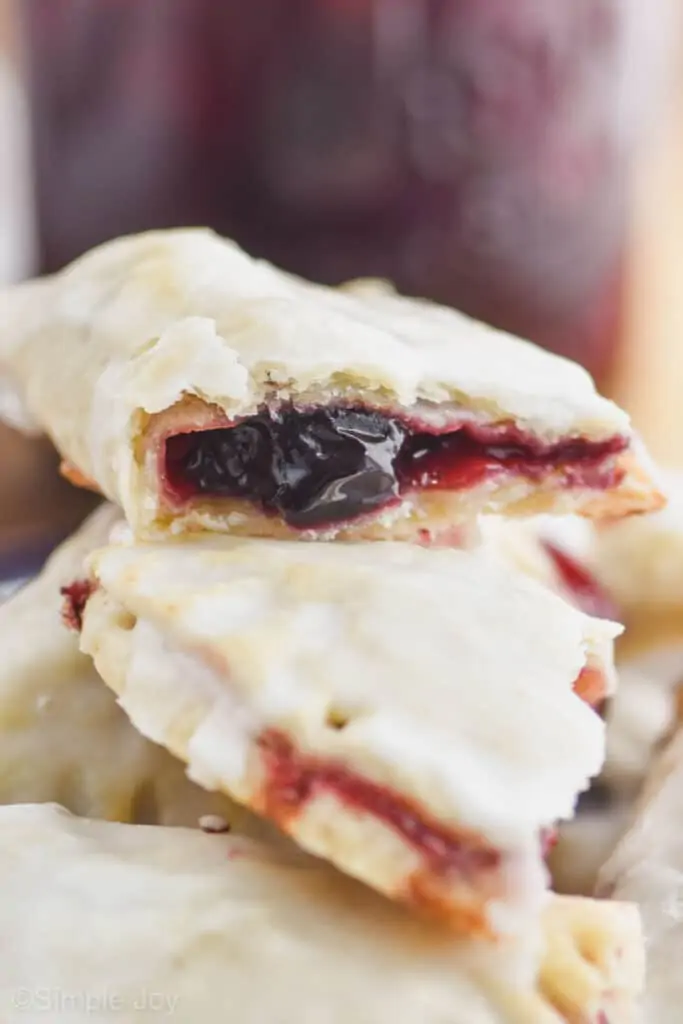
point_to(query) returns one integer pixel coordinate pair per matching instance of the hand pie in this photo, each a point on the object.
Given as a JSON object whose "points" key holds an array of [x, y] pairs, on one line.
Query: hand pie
{"points": [[62, 735], [640, 562], [133, 920], [217, 392], [406, 713], [647, 867]]}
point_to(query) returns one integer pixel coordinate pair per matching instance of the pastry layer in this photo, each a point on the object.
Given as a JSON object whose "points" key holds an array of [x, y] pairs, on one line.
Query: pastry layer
{"points": [[380, 702], [217, 392], [62, 735], [204, 923]]}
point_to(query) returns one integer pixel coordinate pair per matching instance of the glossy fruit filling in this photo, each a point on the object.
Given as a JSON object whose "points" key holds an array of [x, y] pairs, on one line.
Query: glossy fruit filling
{"points": [[326, 465], [76, 597], [293, 778]]}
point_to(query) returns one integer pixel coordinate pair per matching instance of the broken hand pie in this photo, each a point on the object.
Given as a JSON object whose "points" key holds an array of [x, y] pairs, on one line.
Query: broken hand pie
{"points": [[408, 714], [130, 921], [217, 392]]}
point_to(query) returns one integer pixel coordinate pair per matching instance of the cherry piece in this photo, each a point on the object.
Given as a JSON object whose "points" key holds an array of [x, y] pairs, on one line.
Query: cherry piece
{"points": [[76, 596]]}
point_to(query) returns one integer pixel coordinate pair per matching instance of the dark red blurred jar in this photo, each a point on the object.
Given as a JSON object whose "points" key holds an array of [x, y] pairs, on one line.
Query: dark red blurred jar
{"points": [[474, 151]]}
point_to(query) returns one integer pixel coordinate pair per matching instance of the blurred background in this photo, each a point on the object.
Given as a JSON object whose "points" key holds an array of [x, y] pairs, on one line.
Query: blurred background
{"points": [[522, 161]]}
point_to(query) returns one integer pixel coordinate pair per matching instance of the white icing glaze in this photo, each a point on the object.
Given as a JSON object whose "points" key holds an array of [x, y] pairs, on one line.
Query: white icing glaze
{"points": [[457, 672], [212, 924], [62, 736]]}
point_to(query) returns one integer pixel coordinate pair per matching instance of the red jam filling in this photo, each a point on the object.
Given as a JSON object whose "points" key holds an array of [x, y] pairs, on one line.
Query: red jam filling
{"points": [[591, 685], [326, 465], [585, 591], [76, 596], [294, 778]]}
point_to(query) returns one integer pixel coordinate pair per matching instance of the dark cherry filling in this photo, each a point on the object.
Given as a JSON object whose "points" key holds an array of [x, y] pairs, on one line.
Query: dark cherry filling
{"points": [[332, 464], [294, 778], [75, 596], [586, 592]]}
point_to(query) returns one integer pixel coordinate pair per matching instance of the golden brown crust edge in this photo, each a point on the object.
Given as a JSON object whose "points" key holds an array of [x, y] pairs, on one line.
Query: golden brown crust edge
{"points": [[637, 493]]}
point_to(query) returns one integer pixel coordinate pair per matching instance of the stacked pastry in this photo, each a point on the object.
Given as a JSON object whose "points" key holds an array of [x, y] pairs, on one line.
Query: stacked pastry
{"points": [[392, 696]]}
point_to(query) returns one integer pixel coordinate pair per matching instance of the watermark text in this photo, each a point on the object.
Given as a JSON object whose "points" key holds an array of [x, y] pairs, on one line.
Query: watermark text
{"points": [[93, 1001]]}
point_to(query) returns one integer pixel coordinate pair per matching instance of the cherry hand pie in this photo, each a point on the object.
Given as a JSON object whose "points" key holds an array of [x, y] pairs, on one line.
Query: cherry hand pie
{"points": [[409, 714], [138, 922], [200, 389], [640, 562]]}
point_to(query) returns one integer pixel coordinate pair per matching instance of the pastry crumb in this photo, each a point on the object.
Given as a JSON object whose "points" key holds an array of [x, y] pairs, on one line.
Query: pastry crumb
{"points": [[213, 823]]}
